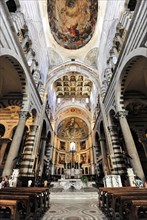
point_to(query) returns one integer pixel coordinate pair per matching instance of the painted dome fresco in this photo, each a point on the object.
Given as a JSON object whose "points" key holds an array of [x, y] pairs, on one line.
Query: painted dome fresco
{"points": [[72, 22], [72, 128]]}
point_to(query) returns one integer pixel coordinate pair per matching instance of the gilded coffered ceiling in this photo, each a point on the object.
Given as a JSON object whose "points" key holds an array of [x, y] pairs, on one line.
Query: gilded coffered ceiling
{"points": [[72, 22], [73, 85]]}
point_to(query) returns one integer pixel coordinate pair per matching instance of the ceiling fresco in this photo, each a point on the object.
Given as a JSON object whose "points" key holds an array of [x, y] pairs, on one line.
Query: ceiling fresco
{"points": [[72, 22], [73, 85], [72, 129]]}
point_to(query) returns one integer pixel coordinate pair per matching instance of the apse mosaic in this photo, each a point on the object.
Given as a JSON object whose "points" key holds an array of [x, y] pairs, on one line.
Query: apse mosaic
{"points": [[72, 22], [72, 128]]}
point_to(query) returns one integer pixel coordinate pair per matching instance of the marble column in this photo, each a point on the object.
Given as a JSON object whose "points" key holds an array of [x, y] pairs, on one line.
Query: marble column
{"points": [[53, 159], [4, 144], [92, 160], [117, 158], [24, 41], [105, 121], [108, 73], [131, 148], [41, 157], [26, 165], [30, 54], [33, 65], [36, 77], [48, 155], [115, 51], [104, 155], [119, 39], [14, 148]]}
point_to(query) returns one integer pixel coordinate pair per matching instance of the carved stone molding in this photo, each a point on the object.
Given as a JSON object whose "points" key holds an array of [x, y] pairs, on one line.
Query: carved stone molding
{"points": [[33, 128]]}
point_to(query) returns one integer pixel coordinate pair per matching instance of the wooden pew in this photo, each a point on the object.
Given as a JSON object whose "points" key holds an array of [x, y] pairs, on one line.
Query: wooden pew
{"points": [[109, 197], [12, 205], [125, 202], [39, 197], [43, 195], [136, 207], [103, 191], [113, 197], [23, 207]]}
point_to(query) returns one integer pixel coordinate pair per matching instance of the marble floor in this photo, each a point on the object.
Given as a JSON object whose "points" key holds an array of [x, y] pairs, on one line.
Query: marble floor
{"points": [[76, 209]]}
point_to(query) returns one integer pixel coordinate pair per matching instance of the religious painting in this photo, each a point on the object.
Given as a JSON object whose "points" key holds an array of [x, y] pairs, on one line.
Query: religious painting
{"points": [[82, 145], [83, 158], [72, 22], [72, 128], [61, 158], [62, 145]]}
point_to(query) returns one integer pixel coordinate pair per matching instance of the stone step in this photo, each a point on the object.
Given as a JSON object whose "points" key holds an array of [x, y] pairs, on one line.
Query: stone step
{"points": [[74, 195]]}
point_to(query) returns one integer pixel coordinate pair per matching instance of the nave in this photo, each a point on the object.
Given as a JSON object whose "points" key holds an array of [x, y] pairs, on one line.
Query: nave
{"points": [[74, 210], [72, 206], [73, 103]]}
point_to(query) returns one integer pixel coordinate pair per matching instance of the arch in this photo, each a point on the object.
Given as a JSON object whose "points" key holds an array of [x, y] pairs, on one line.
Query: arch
{"points": [[10, 60], [78, 67], [62, 114], [96, 138], [12, 7], [70, 106], [34, 116], [132, 5], [97, 143], [2, 130], [130, 60], [49, 136]]}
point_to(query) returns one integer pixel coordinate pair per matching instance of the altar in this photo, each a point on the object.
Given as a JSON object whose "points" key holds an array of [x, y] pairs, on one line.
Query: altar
{"points": [[66, 184], [72, 173]]}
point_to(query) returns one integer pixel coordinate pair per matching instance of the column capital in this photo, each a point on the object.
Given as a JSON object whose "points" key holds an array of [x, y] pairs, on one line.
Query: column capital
{"points": [[24, 114], [121, 114], [112, 128], [33, 127]]}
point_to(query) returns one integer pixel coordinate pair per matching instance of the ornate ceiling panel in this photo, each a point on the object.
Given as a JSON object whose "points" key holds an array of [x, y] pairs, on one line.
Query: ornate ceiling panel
{"points": [[72, 22], [72, 128], [73, 85]]}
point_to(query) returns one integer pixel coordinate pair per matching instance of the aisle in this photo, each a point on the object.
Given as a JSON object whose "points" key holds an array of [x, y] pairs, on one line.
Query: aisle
{"points": [[74, 209]]}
